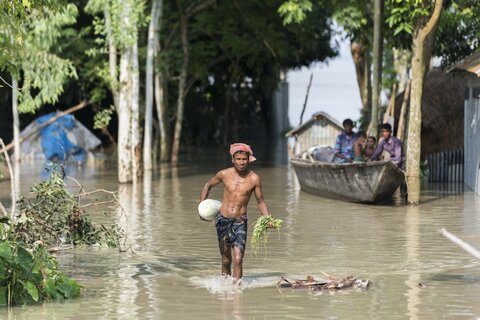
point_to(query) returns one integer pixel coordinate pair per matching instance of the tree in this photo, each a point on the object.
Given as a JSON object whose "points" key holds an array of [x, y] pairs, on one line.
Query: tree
{"points": [[184, 15], [356, 19], [34, 62], [377, 64], [421, 18], [238, 51], [155, 16], [120, 28]]}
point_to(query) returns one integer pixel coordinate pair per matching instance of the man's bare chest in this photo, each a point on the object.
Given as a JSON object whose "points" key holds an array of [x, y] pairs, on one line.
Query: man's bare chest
{"points": [[239, 185]]}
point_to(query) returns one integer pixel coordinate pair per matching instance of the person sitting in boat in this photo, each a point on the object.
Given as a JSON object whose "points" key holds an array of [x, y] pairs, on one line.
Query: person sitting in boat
{"points": [[344, 143], [359, 147], [370, 148], [390, 148]]}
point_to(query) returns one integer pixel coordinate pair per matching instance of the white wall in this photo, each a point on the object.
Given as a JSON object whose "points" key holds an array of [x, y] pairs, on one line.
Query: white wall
{"points": [[472, 135]]}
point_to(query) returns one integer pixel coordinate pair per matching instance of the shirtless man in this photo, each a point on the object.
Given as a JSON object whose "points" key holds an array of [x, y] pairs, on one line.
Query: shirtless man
{"points": [[231, 222]]}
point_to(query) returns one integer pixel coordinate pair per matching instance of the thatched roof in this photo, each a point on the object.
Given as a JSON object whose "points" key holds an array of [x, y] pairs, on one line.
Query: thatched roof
{"points": [[442, 112], [470, 64]]}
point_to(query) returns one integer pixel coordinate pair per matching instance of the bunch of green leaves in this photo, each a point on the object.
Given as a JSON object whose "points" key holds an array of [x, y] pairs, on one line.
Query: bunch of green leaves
{"points": [[102, 118], [261, 231], [294, 10], [54, 216], [30, 274]]}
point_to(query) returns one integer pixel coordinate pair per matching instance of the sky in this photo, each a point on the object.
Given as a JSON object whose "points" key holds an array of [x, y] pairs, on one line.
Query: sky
{"points": [[334, 89]]}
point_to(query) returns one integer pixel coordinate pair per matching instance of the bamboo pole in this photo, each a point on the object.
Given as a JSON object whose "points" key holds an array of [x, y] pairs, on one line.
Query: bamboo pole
{"points": [[306, 98], [391, 105], [403, 112]]}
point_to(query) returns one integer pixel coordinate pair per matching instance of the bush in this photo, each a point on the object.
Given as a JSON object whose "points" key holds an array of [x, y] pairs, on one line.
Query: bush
{"points": [[53, 216], [30, 274]]}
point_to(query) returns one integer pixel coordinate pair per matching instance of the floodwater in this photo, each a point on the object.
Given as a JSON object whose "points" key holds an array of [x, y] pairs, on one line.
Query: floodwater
{"points": [[172, 270]]}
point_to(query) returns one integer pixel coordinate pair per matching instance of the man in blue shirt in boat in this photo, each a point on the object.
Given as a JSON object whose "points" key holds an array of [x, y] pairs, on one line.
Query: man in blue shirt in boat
{"points": [[231, 222], [389, 148], [344, 143]]}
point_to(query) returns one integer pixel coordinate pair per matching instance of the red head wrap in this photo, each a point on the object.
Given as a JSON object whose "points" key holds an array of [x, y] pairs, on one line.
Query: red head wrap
{"points": [[242, 147]]}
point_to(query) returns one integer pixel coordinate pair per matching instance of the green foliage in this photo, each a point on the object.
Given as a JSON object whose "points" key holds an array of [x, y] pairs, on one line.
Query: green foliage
{"points": [[458, 31], [404, 15], [43, 71], [30, 275], [123, 35], [103, 118], [53, 216], [14, 14], [261, 231], [356, 19], [294, 11]]}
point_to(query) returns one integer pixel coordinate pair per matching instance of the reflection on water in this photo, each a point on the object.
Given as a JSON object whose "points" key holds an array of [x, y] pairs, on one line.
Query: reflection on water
{"points": [[172, 270]]}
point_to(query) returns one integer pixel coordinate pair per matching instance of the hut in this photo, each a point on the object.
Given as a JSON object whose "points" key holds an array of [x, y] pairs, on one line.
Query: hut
{"points": [[442, 125], [321, 130], [442, 112], [471, 67]]}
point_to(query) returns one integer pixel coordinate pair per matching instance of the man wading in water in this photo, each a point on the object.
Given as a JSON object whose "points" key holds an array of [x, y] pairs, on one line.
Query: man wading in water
{"points": [[231, 222]]}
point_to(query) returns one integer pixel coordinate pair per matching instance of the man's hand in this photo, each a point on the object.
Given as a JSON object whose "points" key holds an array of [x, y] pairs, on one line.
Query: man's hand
{"points": [[269, 225]]}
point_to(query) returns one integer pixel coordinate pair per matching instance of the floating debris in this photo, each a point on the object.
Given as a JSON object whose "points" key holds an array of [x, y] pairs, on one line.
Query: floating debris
{"points": [[332, 283]]}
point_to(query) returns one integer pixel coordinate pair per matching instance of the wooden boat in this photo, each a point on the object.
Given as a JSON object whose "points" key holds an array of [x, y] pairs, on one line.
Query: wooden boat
{"points": [[368, 182]]}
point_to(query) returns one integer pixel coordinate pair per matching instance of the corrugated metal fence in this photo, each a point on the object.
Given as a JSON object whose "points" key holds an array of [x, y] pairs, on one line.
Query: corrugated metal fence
{"points": [[446, 166]]}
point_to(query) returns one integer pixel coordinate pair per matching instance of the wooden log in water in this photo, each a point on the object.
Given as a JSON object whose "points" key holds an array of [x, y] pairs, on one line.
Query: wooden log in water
{"points": [[325, 284]]}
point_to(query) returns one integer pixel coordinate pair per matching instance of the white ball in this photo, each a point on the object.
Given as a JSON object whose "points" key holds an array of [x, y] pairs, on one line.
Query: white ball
{"points": [[208, 209]]}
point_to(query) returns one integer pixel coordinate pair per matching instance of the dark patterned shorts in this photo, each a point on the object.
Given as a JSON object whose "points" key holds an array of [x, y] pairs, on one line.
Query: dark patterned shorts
{"points": [[231, 231]]}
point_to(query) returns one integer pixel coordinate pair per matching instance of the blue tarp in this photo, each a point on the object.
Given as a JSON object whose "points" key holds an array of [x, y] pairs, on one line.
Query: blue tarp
{"points": [[54, 140], [65, 138]]}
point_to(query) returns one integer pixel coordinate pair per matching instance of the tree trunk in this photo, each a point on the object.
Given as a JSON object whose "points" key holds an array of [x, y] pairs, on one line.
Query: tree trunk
{"points": [[147, 135], [16, 141], [423, 37], [135, 98], [12, 182], [362, 68], [403, 112], [226, 113], [181, 86], [124, 120], [16, 122], [161, 100], [161, 93], [401, 65], [390, 111], [377, 64], [112, 56]]}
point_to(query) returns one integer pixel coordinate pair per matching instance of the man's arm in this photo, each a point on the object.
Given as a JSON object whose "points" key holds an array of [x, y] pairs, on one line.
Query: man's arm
{"points": [[210, 184], [338, 147], [397, 153], [262, 206], [378, 151]]}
